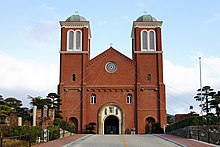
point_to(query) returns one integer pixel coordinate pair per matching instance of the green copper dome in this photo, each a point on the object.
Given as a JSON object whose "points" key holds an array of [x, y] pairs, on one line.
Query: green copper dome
{"points": [[145, 17], [75, 18]]}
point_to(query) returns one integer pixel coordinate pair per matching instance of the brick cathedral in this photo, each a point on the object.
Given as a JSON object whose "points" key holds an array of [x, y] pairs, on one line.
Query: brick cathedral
{"points": [[111, 90]]}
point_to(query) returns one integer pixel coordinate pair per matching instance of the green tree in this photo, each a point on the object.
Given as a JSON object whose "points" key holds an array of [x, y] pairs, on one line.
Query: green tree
{"points": [[39, 102], [2, 102], [55, 103], [215, 104], [13, 103], [205, 94], [24, 112], [170, 119], [5, 110], [1, 98]]}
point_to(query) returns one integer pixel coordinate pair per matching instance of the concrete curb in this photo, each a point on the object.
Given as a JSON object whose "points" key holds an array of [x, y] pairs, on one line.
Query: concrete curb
{"points": [[77, 141], [179, 144]]}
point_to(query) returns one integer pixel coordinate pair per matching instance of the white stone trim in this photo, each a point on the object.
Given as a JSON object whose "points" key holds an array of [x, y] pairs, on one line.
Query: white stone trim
{"points": [[104, 116], [74, 52], [80, 24], [148, 40], [148, 52], [144, 24], [74, 40]]}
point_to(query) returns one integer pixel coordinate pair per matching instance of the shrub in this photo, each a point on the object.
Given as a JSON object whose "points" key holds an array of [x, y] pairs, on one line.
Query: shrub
{"points": [[29, 133], [5, 129], [157, 128], [54, 132], [90, 128], [64, 125]]}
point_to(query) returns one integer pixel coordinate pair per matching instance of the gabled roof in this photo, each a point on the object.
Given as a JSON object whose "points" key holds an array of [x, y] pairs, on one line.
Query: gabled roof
{"points": [[107, 52]]}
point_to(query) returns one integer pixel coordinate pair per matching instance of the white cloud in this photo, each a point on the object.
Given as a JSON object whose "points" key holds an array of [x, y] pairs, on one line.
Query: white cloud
{"points": [[16, 73], [182, 82]]}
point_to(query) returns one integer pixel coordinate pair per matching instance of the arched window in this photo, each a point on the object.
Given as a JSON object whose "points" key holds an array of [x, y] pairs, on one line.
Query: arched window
{"points": [[116, 111], [129, 99], [152, 40], [73, 77], [148, 40], [148, 77], [70, 40], [74, 40], [144, 39], [78, 40], [105, 111], [93, 99]]}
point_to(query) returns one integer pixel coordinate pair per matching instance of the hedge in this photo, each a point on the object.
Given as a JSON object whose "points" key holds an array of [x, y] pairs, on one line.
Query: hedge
{"points": [[193, 121], [29, 133]]}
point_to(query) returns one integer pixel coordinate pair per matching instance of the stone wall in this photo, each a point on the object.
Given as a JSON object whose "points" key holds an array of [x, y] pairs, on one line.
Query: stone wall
{"points": [[210, 134], [64, 133]]}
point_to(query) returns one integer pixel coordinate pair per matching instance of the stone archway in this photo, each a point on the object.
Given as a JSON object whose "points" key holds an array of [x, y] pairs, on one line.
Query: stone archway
{"points": [[148, 125], [74, 120], [110, 119]]}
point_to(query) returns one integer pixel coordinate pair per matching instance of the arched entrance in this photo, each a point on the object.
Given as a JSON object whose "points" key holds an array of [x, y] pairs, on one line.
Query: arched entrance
{"points": [[75, 123], [148, 125], [110, 119], [111, 125]]}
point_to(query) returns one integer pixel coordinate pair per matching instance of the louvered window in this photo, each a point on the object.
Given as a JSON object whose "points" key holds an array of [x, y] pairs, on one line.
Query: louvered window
{"points": [[148, 40], [78, 40], [74, 40], [144, 40], [152, 40], [71, 40]]}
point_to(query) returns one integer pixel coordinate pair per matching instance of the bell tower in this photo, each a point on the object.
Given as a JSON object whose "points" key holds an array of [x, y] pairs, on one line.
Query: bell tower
{"points": [[148, 56], [74, 56]]}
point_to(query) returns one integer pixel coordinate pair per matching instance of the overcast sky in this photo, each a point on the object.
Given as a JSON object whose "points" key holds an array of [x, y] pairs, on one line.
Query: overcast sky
{"points": [[30, 43]]}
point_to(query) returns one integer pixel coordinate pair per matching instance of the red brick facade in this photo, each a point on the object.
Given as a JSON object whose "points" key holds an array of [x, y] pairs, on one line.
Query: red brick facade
{"points": [[129, 93]]}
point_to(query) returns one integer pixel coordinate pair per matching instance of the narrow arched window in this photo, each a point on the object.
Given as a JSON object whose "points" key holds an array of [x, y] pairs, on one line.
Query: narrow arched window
{"points": [[116, 111], [78, 40], [152, 40], [73, 77], [93, 99], [129, 99], [148, 77], [144, 40], [105, 111], [70, 40]]}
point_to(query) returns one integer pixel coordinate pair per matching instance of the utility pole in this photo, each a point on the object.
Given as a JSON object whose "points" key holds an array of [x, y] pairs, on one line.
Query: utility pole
{"points": [[200, 71]]}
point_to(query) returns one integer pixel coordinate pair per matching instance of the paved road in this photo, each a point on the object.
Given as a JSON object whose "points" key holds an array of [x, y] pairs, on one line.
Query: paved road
{"points": [[122, 141]]}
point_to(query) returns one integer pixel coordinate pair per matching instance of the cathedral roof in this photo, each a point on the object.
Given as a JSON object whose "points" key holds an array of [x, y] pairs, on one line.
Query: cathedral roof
{"points": [[146, 17], [106, 54], [76, 17]]}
